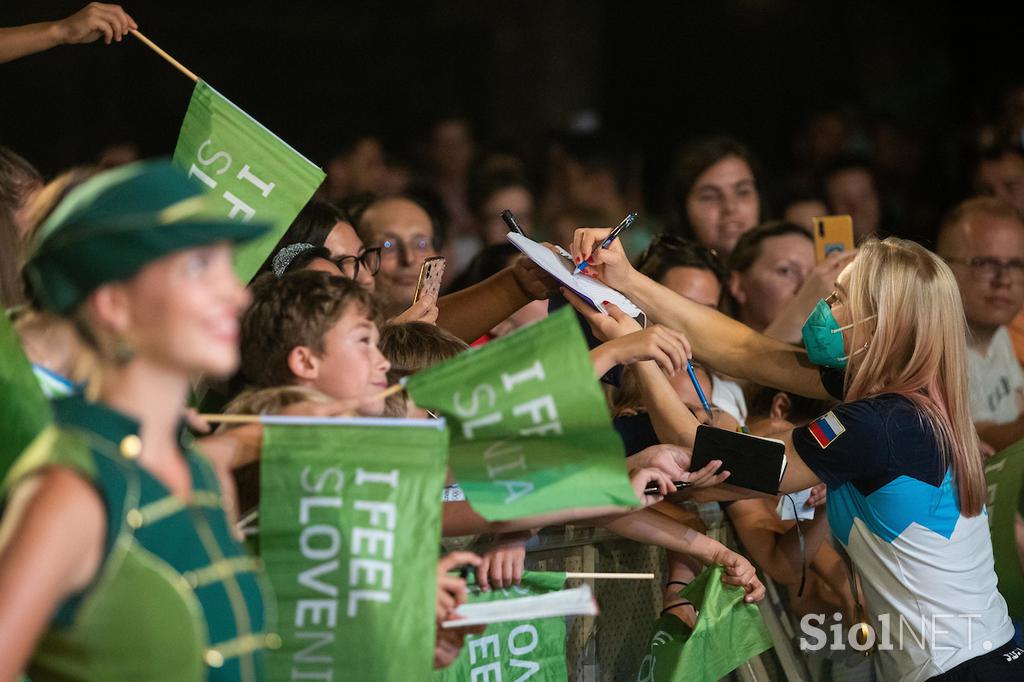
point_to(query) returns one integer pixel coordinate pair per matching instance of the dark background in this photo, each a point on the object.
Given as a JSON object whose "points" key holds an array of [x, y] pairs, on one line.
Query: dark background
{"points": [[317, 73]]}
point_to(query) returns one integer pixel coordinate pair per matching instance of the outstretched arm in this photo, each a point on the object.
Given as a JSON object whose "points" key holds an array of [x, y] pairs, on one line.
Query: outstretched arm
{"points": [[718, 341], [96, 20]]}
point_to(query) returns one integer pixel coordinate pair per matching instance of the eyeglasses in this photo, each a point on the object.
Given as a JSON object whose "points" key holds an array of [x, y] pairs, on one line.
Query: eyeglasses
{"points": [[986, 268], [368, 259], [393, 248]]}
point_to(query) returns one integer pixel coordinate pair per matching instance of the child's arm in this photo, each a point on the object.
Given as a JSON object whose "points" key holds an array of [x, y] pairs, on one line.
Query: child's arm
{"points": [[502, 564], [653, 528]]}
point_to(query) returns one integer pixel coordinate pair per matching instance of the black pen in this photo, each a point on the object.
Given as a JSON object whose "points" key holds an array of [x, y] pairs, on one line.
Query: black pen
{"points": [[652, 488], [510, 220]]}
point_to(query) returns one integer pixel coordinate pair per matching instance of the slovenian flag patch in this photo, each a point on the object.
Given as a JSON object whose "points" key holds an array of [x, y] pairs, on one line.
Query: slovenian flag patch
{"points": [[826, 429]]}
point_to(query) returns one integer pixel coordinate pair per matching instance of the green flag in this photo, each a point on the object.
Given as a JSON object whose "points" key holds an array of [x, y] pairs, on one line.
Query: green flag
{"points": [[530, 429], [728, 632], [24, 410], [1005, 475], [515, 651], [350, 525], [256, 173]]}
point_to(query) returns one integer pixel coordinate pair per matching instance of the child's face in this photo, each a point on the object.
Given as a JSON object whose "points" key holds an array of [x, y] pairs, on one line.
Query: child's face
{"points": [[351, 367]]}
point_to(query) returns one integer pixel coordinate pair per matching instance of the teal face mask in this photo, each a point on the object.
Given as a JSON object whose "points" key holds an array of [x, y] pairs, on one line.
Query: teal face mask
{"points": [[823, 337]]}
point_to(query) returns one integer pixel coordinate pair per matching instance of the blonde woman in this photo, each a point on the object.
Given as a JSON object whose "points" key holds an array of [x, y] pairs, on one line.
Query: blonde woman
{"points": [[117, 560], [900, 457]]}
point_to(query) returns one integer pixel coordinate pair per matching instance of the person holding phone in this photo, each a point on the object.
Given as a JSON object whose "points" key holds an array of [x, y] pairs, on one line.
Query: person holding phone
{"points": [[899, 455]]}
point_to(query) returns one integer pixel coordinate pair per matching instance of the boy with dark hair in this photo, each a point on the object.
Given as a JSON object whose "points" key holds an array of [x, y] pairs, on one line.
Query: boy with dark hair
{"points": [[310, 329]]}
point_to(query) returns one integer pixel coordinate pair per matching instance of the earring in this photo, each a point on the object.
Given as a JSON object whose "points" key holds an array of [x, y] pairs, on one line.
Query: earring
{"points": [[123, 352]]}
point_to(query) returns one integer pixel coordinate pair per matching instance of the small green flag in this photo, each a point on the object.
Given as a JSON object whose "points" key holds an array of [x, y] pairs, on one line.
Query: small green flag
{"points": [[530, 429], [24, 410], [1005, 475], [729, 632], [517, 650], [350, 526], [256, 173]]}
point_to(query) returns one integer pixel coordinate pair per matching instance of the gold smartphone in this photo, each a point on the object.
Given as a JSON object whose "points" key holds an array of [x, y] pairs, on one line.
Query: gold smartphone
{"points": [[431, 274], [832, 233]]}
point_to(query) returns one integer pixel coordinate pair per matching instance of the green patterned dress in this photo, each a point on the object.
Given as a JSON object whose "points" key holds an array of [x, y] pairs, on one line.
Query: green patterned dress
{"points": [[176, 596]]}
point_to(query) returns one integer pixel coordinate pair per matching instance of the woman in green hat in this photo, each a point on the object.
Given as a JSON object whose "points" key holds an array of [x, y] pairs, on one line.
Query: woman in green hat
{"points": [[117, 560]]}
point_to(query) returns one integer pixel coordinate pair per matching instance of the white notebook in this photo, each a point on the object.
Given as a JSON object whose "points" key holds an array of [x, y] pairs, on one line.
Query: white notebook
{"points": [[578, 601], [562, 268]]}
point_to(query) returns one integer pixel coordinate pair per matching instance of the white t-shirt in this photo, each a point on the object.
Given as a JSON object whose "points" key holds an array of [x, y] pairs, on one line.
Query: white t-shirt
{"points": [[996, 381]]}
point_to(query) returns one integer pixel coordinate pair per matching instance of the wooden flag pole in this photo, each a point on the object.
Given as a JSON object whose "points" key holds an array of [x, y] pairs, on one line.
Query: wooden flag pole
{"points": [[612, 576], [256, 418], [173, 62]]}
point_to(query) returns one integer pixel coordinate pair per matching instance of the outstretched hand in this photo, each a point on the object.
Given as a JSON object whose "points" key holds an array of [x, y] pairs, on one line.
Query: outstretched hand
{"points": [[740, 572], [94, 21], [606, 327], [610, 265]]}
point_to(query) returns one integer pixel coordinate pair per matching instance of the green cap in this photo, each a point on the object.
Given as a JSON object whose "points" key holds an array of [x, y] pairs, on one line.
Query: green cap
{"points": [[115, 223]]}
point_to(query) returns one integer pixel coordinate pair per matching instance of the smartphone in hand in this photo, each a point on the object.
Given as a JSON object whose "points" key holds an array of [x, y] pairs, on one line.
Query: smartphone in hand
{"points": [[431, 274], [832, 233]]}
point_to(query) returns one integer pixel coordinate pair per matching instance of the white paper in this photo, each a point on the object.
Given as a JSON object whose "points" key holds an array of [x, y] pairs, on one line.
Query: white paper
{"points": [[563, 269], [803, 512], [578, 601]]}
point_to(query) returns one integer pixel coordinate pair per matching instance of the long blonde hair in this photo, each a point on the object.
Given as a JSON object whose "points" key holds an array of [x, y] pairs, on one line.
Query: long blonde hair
{"points": [[916, 347]]}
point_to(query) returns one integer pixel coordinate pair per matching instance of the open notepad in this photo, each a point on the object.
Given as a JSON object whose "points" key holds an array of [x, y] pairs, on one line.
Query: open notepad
{"points": [[561, 267], [578, 601]]}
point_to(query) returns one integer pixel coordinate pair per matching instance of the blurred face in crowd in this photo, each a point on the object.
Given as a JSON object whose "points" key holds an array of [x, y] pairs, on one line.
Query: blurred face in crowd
{"points": [[366, 166], [700, 286], [180, 312], [405, 234], [588, 189], [350, 367], [1003, 178], [517, 199], [772, 279], [451, 147], [361, 170], [852, 191], [343, 241], [804, 212], [992, 278], [723, 204]]}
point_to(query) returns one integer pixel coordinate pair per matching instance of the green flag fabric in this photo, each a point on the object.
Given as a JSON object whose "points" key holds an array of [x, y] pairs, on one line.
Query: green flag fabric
{"points": [[530, 429], [1005, 475], [728, 632], [24, 410], [256, 173], [515, 651], [350, 525]]}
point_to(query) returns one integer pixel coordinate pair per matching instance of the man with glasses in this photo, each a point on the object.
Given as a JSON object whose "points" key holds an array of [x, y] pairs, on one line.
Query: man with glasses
{"points": [[404, 232], [982, 239]]}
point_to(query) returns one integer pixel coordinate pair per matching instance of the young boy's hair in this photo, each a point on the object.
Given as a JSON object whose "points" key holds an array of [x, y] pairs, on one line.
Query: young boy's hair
{"points": [[262, 401], [297, 309], [273, 400], [410, 347]]}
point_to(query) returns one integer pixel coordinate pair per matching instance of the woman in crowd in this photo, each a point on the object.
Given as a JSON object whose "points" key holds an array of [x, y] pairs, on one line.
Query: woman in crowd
{"points": [[713, 194], [899, 455], [774, 282], [109, 518]]}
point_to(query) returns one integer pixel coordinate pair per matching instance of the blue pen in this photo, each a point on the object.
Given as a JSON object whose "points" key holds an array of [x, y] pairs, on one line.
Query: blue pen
{"points": [[700, 392], [626, 222]]}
